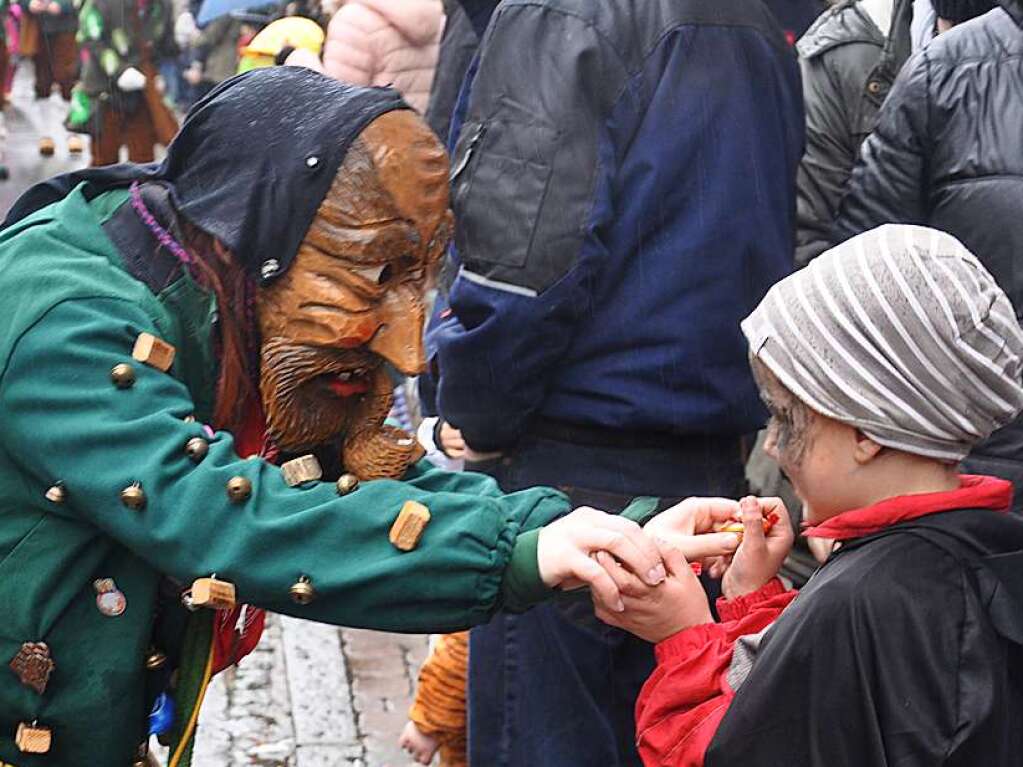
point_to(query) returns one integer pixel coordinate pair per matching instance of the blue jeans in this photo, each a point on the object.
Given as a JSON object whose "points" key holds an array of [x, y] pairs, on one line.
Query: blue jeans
{"points": [[555, 687]]}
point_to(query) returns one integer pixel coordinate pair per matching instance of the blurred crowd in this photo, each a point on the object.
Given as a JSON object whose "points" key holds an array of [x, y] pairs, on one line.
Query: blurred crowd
{"points": [[125, 71]]}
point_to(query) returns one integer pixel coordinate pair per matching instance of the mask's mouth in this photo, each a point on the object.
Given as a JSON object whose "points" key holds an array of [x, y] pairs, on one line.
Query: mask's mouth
{"points": [[350, 382]]}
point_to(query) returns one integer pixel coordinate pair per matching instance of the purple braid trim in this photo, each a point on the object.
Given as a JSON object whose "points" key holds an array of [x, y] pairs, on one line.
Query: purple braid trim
{"points": [[162, 235]]}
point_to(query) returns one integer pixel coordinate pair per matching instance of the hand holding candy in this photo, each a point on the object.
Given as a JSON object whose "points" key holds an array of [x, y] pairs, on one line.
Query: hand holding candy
{"points": [[694, 527], [765, 544]]}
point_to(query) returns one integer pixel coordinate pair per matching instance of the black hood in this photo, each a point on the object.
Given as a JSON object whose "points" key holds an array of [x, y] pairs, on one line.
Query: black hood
{"points": [[251, 163], [993, 543]]}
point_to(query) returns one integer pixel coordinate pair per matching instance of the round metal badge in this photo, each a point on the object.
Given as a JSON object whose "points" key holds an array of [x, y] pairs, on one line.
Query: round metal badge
{"points": [[109, 599]]}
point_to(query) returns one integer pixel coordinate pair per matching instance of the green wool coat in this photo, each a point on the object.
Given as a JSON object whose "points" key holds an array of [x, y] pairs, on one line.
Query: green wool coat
{"points": [[70, 314]]}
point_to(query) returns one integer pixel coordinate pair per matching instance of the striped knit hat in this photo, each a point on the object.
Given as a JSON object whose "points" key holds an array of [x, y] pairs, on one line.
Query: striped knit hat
{"points": [[901, 333]]}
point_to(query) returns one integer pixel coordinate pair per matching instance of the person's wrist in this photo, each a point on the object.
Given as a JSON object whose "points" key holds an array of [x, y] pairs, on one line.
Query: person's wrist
{"points": [[732, 588], [523, 586], [695, 617]]}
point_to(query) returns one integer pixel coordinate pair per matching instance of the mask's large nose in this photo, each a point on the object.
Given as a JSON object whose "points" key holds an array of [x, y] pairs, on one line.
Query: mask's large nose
{"points": [[400, 338]]}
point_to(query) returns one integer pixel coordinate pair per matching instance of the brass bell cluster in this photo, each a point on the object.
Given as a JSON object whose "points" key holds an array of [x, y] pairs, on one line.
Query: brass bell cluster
{"points": [[123, 376], [302, 591], [196, 449], [347, 483], [57, 493], [239, 489], [134, 497]]}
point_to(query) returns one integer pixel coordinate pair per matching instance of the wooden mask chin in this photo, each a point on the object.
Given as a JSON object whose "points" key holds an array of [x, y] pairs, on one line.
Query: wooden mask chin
{"points": [[353, 300]]}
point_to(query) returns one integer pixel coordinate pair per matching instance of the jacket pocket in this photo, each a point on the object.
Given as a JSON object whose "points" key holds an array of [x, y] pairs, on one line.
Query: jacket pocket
{"points": [[499, 182]]}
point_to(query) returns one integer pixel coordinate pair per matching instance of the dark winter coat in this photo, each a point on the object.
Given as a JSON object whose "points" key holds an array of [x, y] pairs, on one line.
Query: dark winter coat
{"points": [[948, 153], [795, 16], [848, 67], [623, 187], [905, 649]]}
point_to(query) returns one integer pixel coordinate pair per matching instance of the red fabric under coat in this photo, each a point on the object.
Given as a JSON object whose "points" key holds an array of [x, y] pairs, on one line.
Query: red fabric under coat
{"points": [[687, 696]]}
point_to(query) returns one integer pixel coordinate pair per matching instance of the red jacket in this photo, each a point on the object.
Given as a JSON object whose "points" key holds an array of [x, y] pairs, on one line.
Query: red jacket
{"points": [[687, 696]]}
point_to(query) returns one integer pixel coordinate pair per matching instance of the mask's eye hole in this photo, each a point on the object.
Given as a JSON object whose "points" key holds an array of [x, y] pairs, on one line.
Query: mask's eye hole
{"points": [[378, 275]]}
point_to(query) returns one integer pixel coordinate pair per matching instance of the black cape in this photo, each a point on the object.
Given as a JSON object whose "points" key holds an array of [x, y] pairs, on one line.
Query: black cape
{"points": [[251, 164], [905, 649]]}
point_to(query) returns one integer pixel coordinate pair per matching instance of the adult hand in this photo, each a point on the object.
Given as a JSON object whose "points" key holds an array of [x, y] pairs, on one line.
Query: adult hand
{"points": [[689, 527], [131, 80], [36, 6], [565, 547], [451, 442], [654, 614], [53, 9], [759, 557]]}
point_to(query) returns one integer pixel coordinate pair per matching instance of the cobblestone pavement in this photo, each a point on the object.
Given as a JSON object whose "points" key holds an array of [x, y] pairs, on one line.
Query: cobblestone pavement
{"points": [[312, 696]]}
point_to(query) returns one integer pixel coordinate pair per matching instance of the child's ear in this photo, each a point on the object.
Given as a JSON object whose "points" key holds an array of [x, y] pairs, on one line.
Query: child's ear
{"points": [[866, 449]]}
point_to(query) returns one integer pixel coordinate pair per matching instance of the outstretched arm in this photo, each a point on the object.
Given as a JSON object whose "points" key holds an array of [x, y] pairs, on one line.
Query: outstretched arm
{"points": [[65, 420]]}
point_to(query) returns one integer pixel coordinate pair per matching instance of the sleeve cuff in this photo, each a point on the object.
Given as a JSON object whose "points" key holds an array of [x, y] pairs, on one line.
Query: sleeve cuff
{"points": [[641, 510], [739, 607], [688, 641], [522, 586]]}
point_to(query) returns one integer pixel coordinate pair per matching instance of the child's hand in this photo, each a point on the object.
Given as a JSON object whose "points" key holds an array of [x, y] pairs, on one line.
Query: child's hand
{"points": [[658, 612], [759, 557], [418, 744], [565, 546], [689, 527]]}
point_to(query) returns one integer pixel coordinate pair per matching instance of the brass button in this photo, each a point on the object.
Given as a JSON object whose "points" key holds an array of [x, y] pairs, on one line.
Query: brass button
{"points": [[57, 493], [302, 591], [156, 660], [874, 87], [196, 448], [134, 497], [347, 483], [123, 376], [239, 489]]}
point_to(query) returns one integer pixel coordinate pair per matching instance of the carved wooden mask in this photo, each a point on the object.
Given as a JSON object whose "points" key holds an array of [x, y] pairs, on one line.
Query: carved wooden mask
{"points": [[353, 298]]}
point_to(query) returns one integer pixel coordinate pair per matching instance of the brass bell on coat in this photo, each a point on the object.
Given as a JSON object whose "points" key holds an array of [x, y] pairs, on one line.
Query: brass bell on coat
{"points": [[123, 376], [302, 591], [239, 489], [133, 496], [57, 493], [347, 483], [156, 659], [196, 448]]}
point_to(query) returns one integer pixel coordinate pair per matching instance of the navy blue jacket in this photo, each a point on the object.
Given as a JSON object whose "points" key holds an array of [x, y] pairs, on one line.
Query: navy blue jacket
{"points": [[623, 185]]}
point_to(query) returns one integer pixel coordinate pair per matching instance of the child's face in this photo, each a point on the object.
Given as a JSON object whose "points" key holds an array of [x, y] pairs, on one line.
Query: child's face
{"points": [[816, 453]]}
